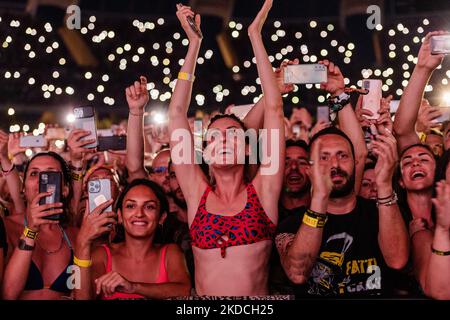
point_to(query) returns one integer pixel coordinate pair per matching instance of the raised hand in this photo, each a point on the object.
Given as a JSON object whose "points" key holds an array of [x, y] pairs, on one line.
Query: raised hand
{"points": [[95, 224], [137, 96], [76, 144], [279, 76], [183, 12], [113, 282], [385, 148], [385, 119], [14, 147], [425, 59], [335, 84], [3, 144], [257, 24], [36, 213], [319, 126], [426, 116], [319, 173], [442, 205], [360, 113]]}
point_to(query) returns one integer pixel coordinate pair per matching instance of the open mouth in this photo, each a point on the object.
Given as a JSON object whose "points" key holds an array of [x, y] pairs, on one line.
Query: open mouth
{"points": [[417, 175], [225, 151], [139, 223], [294, 179]]}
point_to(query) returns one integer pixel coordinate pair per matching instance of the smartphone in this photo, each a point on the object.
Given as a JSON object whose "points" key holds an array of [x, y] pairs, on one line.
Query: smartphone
{"points": [[99, 191], [305, 73], [393, 106], [105, 132], [445, 115], [241, 111], [440, 44], [323, 114], [372, 101], [55, 134], [51, 181], [112, 143], [85, 119], [32, 141], [192, 24]]}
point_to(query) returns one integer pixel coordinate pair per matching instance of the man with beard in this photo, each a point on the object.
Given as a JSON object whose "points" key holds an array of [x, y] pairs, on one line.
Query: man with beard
{"points": [[175, 227], [344, 244], [340, 246], [295, 195]]}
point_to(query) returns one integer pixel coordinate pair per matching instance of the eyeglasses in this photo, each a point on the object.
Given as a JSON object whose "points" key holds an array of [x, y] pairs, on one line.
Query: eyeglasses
{"points": [[159, 170]]}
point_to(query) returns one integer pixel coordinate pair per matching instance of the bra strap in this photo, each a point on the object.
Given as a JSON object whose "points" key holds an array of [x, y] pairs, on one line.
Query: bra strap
{"points": [[109, 258]]}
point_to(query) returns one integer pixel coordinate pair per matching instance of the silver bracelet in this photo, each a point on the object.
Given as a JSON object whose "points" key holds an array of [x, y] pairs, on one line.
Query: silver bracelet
{"points": [[389, 201]]}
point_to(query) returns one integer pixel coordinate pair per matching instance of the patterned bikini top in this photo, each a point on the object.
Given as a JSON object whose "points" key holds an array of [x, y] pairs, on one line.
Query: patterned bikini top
{"points": [[251, 225]]}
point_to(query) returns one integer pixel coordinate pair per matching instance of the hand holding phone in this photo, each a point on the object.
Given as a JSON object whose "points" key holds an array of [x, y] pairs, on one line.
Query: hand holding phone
{"points": [[440, 44], [445, 115], [99, 191], [191, 20], [85, 119], [323, 114], [372, 101], [51, 181]]}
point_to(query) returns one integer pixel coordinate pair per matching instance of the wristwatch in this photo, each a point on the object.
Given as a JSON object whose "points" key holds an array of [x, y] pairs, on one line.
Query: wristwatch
{"points": [[24, 246]]}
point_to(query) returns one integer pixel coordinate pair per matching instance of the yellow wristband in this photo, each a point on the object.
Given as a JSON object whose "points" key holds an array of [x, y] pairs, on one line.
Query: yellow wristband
{"points": [[82, 263], [314, 221], [76, 177], [30, 234], [186, 76]]}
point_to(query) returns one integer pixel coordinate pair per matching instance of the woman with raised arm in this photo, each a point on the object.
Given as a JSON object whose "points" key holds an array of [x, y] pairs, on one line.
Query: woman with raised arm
{"points": [[232, 221], [417, 162], [11, 175]]}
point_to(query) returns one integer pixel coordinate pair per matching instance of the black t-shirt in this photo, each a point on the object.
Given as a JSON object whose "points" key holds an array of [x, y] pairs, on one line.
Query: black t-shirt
{"points": [[279, 283], [3, 243], [350, 262], [177, 232]]}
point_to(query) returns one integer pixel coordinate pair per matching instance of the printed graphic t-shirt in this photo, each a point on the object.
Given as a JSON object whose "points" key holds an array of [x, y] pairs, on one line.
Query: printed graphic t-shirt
{"points": [[350, 263]]}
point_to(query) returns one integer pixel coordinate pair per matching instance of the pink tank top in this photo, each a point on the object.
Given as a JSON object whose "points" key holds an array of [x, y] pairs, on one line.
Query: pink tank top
{"points": [[162, 275]]}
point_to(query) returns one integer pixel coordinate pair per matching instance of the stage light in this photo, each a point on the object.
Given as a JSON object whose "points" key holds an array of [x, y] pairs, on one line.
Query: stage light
{"points": [[446, 99]]}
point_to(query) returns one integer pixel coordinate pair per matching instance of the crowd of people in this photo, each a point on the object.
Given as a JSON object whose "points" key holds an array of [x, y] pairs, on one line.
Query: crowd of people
{"points": [[345, 214]]}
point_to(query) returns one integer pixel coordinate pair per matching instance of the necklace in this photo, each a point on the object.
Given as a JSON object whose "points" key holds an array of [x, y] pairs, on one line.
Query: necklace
{"points": [[49, 252]]}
